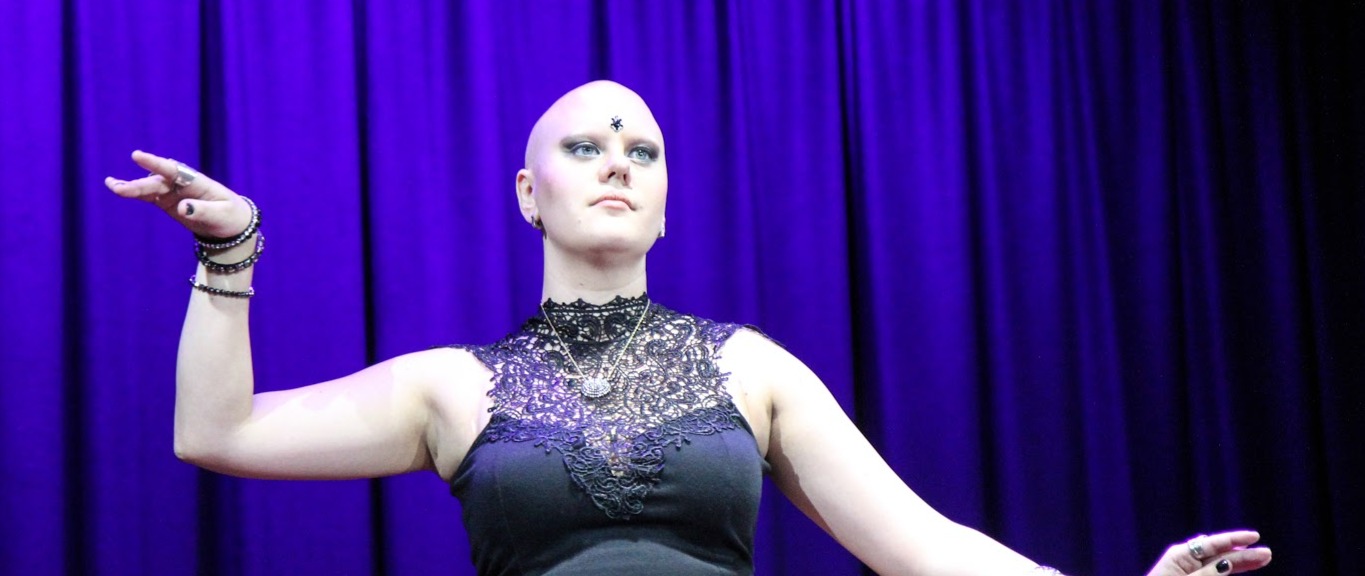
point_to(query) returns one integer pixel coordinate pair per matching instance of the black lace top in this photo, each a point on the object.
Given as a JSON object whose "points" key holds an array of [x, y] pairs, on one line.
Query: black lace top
{"points": [[659, 473]]}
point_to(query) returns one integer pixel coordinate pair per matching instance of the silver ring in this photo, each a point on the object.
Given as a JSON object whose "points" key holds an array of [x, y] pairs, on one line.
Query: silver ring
{"points": [[184, 175], [1197, 547]]}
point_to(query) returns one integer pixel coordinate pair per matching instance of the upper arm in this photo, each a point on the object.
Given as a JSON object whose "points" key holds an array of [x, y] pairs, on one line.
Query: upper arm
{"points": [[386, 419], [829, 470]]}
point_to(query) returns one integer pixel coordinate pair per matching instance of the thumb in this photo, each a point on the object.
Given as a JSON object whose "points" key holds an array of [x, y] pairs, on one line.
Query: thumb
{"points": [[192, 210], [213, 218]]}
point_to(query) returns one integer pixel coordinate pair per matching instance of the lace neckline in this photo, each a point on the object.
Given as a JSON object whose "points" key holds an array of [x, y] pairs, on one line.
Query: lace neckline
{"points": [[582, 322], [666, 389]]}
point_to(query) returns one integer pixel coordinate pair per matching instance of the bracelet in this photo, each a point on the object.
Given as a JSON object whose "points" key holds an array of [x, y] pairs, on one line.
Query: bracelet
{"points": [[205, 288], [202, 254], [211, 243]]}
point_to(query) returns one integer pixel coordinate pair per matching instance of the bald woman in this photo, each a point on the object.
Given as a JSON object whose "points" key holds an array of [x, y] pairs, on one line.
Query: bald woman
{"points": [[608, 434]]}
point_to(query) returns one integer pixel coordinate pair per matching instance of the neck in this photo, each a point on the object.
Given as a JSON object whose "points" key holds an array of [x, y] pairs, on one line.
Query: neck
{"points": [[593, 278]]}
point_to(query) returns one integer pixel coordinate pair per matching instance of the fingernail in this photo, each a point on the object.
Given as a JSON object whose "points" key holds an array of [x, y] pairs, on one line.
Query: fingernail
{"points": [[189, 209], [1223, 566]]}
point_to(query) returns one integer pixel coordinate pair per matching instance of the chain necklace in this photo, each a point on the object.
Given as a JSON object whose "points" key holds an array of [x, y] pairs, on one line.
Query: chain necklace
{"points": [[598, 385]]}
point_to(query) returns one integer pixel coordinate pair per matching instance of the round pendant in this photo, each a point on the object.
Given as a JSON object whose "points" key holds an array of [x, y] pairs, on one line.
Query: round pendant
{"points": [[595, 387]]}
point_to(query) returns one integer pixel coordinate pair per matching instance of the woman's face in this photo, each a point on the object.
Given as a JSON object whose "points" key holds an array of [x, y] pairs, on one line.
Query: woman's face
{"points": [[595, 174]]}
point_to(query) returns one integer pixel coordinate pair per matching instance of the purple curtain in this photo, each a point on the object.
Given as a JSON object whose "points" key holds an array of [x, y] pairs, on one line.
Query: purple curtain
{"points": [[1088, 273]]}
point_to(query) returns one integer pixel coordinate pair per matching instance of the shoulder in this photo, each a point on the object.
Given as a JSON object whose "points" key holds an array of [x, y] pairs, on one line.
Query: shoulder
{"points": [[765, 364], [762, 362], [742, 350], [478, 357], [737, 346], [436, 360], [719, 335], [436, 368], [746, 346]]}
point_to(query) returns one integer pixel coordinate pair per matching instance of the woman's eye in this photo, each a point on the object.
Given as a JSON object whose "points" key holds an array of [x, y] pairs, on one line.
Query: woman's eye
{"points": [[643, 154], [584, 149]]}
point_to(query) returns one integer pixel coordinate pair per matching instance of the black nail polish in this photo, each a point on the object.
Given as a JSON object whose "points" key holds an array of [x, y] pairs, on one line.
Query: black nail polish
{"points": [[189, 209], [1223, 566]]}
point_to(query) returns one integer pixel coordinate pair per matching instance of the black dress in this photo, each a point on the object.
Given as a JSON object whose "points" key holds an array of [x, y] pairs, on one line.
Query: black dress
{"points": [[659, 474]]}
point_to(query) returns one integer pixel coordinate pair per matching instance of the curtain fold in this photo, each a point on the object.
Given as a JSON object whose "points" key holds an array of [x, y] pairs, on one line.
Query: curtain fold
{"points": [[1087, 274]]}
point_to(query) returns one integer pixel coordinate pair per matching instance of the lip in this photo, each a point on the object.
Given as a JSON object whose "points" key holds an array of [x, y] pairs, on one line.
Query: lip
{"points": [[614, 198]]}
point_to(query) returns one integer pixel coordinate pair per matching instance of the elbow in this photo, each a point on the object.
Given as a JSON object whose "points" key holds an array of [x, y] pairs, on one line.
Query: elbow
{"points": [[183, 450], [197, 451], [187, 451]]}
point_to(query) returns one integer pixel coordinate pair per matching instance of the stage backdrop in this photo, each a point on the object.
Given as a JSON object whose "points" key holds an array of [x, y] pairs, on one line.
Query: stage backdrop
{"points": [[1088, 273]]}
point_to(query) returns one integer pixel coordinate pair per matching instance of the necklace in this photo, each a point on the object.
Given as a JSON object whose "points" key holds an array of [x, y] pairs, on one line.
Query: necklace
{"points": [[598, 385]]}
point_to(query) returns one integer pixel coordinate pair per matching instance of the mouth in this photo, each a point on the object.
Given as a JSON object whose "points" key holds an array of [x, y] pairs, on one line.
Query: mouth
{"points": [[615, 198]]}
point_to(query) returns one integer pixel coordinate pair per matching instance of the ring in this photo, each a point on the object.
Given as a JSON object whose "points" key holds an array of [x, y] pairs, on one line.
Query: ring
{"points": [[1197, 547], [184, 175]]}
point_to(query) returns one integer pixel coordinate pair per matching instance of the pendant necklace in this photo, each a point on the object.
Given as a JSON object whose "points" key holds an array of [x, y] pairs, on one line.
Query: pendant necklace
{"points": [[597, 385]]}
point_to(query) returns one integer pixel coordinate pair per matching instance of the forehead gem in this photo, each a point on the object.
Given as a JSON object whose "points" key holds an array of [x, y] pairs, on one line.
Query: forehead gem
{"points": [[615, 123]]}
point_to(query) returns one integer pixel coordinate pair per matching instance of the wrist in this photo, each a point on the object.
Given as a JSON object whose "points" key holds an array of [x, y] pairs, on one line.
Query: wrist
{"points": [[212, 243], [225, 263], [230, 256]]}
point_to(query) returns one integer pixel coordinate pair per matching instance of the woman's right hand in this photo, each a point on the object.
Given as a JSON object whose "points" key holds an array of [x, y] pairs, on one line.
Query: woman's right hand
{"points": [[204, 206], [1222, 553]]}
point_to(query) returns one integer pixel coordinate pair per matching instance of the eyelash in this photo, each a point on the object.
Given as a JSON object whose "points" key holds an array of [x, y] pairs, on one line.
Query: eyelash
{"points": [[580, 148], [588, 148], [650, 154]]}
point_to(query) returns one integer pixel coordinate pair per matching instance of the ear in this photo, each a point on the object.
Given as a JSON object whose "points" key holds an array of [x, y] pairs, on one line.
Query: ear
{"points": [[525, 201]]}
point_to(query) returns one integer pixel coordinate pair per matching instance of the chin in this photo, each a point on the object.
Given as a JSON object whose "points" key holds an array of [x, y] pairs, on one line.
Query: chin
{"points": [[617, 243]]}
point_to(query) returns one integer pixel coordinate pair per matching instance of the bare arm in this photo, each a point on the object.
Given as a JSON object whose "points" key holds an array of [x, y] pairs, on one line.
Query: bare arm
{"points": [[375, 422], [379, 421], [829, 470]]}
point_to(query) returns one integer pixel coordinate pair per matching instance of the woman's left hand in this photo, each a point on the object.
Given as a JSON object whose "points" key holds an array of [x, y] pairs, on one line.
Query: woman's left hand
{"points": [[1222, 553]]}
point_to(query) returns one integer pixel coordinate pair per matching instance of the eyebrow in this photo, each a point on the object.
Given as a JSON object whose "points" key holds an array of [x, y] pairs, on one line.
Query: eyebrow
{"points": [[579, 136], [597, 136]]}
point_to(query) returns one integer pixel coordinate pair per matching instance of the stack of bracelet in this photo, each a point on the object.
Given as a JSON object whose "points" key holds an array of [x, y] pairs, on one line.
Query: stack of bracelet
{"points": [[203, 245]]}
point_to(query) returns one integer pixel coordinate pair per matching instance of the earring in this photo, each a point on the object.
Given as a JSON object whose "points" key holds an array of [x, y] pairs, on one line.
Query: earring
{"points": [[536, 223], [663, 227]]}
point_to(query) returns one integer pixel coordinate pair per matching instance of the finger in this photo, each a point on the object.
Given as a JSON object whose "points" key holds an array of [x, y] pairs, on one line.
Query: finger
{"points": [[170, 169], [1180, 556], [1235, 562], [143, 188], [1221, 542], [200, 210], [214, 218], [155, 164]]}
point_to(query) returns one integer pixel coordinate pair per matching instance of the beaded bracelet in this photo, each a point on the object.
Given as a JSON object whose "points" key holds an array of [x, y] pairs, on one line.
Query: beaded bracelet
{"points": [[211, 243], [205, 288], [218, 267]]}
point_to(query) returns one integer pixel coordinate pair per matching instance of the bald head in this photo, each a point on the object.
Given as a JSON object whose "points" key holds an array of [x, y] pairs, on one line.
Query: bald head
{"points": [[587, 108], [596, 176]]}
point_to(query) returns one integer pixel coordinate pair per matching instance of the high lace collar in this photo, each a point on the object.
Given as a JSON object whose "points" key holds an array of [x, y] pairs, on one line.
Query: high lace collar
{"points": [[580, 321]]}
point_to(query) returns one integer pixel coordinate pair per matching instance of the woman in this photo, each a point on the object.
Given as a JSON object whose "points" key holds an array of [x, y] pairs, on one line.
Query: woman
{"points": [[608, 433]]}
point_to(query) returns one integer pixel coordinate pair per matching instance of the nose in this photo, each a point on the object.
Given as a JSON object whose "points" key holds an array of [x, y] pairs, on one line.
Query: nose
{"points": [[617, 166]]}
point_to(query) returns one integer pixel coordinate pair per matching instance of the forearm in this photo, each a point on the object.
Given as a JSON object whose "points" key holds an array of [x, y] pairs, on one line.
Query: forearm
{"points": [[963, 551], [214, 382]]}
